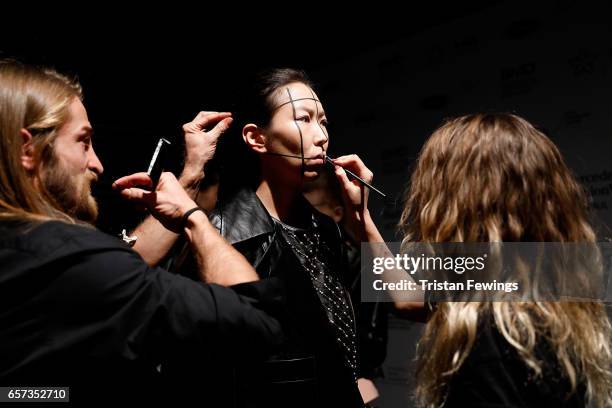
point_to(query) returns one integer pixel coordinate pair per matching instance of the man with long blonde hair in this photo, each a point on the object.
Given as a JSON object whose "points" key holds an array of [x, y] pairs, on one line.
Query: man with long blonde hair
{"points": [[80, 308]]}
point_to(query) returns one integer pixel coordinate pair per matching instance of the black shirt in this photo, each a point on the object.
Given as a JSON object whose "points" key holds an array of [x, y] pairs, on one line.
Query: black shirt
{"points": [[495, 375], [79, 308], [316, 255]]}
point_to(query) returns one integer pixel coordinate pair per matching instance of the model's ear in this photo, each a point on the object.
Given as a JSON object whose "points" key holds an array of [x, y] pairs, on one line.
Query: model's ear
{"points": [[254, 137], [27, 151]]}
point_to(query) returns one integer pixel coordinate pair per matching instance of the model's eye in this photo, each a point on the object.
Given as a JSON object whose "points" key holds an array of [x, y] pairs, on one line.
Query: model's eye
{"points": [[305, 119], [325, 123]]}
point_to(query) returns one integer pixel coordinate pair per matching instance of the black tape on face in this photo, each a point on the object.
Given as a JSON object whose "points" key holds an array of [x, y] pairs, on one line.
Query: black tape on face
{"points": [[297, 125], [295, 100], [317, 117], [292, 102]]}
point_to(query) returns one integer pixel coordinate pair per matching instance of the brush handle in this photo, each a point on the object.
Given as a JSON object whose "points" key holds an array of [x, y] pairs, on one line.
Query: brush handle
{"points": [[362, 181]]}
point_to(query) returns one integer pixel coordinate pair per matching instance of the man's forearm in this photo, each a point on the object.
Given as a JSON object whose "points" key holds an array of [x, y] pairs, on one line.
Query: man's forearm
{"points": [[190, 179], [218, 262], [154, 241]]}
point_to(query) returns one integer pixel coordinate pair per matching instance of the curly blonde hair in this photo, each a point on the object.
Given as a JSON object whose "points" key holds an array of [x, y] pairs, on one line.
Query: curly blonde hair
{"points": [[491, 178]]}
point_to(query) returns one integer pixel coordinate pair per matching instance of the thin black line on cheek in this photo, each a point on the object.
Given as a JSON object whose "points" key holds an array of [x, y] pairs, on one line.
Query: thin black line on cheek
{"points": [[317, 116], [299, 131]]}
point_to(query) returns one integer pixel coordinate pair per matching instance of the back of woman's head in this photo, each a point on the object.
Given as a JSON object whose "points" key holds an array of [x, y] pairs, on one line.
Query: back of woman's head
{"points": [[490, 178], [493, 177]]}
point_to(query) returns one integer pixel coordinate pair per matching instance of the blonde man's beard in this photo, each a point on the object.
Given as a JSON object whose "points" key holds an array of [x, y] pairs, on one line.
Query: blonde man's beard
{"points": [[72, 193]]}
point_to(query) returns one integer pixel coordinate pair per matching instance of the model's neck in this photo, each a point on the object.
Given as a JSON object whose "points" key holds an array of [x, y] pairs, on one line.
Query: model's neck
{"points": [[282, 203]]}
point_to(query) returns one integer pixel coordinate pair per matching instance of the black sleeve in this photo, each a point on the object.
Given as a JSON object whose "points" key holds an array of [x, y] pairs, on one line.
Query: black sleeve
{"points": [[112, 299]]}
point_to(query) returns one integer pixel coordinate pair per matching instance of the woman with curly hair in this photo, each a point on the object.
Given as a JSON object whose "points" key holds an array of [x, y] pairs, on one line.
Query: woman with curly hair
{"points": [[496, 178]]}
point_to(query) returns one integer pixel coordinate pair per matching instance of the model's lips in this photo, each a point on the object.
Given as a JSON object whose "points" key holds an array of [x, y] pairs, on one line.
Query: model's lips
{"points": [[316, 161]]}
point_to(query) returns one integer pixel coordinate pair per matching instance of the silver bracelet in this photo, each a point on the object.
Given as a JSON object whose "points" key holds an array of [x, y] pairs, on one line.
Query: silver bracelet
{"points": [[130, 240]]}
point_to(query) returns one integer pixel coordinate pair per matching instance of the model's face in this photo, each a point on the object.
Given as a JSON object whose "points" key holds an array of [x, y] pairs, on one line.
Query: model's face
{"points": [[74, 166], [296, 137]]}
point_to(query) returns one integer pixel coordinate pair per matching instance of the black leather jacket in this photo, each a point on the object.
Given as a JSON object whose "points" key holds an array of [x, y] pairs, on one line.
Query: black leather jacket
{"points": [[309, 369]]}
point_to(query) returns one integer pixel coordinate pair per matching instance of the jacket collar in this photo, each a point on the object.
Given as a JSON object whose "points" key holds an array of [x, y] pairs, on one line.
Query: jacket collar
{"points": [[243, 216]]}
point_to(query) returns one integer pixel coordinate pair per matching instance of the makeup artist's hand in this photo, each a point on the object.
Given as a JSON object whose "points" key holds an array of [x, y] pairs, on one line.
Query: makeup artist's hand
{"points": [[167, 203], [354, 194], [201, 136]]}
